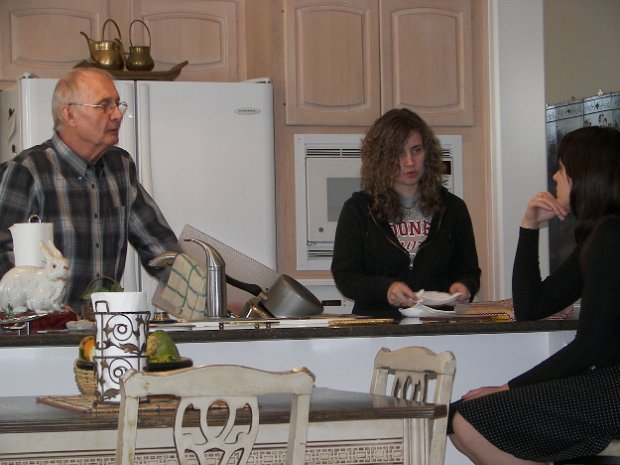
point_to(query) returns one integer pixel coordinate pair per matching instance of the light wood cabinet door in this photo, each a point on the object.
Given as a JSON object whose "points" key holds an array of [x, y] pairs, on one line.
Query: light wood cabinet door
{"points": [[349, 61], [43, 36], [210, 34], [426, 59], [331, 62]]}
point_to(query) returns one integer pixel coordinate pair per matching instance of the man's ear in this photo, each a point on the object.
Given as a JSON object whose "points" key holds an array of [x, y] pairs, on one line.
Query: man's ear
{"points": [[67, 114]]}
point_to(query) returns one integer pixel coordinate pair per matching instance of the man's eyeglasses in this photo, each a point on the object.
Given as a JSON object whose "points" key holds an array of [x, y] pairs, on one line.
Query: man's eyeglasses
{"points": [[108, 107]]}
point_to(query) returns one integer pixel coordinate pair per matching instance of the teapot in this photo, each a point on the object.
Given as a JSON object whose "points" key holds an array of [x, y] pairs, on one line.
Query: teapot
{"points": [[108, 54], [139, 57]]}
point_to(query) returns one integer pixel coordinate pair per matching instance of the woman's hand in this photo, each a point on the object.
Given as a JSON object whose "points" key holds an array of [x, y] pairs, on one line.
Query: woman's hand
{"points": [[542, 207], [483, 391], [461, 289], [401, 295]]}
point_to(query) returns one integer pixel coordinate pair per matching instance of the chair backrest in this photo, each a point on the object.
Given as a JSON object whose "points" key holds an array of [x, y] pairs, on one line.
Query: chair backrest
{"points": [[227, 388], [413, 372]]}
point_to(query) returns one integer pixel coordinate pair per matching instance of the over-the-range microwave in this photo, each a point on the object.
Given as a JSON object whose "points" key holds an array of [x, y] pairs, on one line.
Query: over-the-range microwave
{"points": [[327, 172]]}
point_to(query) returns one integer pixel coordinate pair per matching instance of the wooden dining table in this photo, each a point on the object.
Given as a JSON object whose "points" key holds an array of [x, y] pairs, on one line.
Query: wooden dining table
{"points": [[345, 428]]}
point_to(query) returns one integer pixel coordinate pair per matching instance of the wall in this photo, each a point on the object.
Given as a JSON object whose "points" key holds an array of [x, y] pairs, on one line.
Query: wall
{"points": [[570, 50], [581, 48], [259, 39], [518, 125]]}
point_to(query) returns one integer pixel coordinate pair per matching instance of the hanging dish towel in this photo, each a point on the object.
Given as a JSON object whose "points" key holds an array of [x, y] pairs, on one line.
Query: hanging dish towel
{"points": [[186, 288]]}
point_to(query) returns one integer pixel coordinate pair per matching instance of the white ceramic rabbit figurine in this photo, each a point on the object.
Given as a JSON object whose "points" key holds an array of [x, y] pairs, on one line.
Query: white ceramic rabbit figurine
{"points": [[39, 288]]}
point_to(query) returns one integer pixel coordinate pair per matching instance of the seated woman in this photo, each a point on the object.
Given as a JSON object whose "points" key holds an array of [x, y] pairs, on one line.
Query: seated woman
{"points": [[404, 231], [569, 405]]}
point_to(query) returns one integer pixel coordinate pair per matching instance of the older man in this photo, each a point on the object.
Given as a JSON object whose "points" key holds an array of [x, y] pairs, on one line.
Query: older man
{"points": [[85, 185]]}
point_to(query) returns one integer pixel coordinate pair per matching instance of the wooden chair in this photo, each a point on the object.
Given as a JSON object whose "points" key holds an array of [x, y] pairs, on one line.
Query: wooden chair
{"points": [[226, 387], [413, 371], [609, 456]]}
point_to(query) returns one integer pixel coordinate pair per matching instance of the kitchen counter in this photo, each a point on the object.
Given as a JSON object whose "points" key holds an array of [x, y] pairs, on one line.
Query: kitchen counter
{"points": [[487, 353], [402, 329]]}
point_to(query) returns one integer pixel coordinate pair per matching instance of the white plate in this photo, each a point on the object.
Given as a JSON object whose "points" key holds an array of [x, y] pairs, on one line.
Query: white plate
{"points": [[434, 298], [419, 310]]}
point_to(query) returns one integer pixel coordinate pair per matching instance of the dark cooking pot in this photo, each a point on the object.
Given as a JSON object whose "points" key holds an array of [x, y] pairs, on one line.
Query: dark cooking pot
{"points": [[286, 298]]}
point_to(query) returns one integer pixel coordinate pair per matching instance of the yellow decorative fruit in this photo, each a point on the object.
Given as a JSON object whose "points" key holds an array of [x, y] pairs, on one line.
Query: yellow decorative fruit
{"points": [[87, 348]]}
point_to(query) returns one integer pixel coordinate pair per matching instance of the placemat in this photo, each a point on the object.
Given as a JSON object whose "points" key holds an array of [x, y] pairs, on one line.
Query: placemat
{"points": [[504, 307], [89, 404]]}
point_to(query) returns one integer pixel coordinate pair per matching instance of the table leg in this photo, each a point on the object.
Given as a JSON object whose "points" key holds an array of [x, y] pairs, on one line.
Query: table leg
{"points": [[416, 446]]}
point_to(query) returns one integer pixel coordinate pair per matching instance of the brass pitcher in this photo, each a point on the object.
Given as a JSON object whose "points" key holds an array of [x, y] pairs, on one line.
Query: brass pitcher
{"points": [[108, 54], [139, 58]]}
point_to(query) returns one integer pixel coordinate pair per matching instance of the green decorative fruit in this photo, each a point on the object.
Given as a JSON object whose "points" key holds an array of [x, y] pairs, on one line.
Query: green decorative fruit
{"points": [[160, 348]]}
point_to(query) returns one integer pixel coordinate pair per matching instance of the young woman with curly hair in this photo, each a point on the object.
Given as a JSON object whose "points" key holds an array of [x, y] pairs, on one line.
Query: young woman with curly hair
{"points": [[404, 231], [568, 406]]}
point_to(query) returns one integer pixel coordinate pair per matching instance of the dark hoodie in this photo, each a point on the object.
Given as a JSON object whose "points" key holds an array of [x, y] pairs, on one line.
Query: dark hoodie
{"points": [[368, 257]]}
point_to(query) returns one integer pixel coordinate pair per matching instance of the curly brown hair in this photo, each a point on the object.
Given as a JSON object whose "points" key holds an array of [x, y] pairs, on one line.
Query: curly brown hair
{"points": [[381, 151]]}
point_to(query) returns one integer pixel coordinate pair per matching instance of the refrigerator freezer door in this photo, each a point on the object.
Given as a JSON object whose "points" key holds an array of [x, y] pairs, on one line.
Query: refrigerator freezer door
{"points": [[27, 115], [38, 126], [9, 128], [206, 155]]}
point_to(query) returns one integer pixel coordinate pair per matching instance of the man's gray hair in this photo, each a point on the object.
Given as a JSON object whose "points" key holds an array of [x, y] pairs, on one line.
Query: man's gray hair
{"points": [[68, 90]]}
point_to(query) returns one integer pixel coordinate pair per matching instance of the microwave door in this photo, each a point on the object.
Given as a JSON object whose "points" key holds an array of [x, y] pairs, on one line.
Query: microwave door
{"points": [[330, 181]]}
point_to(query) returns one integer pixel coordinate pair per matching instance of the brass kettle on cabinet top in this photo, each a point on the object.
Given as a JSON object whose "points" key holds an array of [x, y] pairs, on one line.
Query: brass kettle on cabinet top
{"points": [[108, 54], [139, 57]]}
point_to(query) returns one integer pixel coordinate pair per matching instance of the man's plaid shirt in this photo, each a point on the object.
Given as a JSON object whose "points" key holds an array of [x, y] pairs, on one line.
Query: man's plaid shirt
{"points": [[95, 209]]}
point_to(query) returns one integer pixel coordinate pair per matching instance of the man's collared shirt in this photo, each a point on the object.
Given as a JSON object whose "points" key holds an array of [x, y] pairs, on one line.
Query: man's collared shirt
{"points": [[95, 209]]}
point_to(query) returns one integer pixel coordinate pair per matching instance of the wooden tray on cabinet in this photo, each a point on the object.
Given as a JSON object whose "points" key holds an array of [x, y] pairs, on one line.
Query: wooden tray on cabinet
{"points": [[169, 75]]}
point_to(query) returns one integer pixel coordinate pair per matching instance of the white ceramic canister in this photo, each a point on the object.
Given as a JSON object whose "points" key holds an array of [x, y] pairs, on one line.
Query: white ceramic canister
{"points": [[26, 237]]}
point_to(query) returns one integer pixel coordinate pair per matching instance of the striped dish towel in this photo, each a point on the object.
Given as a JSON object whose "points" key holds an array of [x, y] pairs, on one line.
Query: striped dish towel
{"points": [[186, 288]]}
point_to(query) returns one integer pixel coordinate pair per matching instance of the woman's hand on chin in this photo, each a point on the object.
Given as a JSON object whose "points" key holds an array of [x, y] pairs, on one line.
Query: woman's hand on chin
{"points": [[542, 207]]}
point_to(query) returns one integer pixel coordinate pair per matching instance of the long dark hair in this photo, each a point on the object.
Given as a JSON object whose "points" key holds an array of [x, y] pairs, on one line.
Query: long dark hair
{"points": [[380, 163], [591, 158]]}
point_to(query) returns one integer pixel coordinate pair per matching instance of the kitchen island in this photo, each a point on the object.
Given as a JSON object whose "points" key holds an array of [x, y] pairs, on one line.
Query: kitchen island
{"points": [[404, 328], [492, 350], [487, 353]]}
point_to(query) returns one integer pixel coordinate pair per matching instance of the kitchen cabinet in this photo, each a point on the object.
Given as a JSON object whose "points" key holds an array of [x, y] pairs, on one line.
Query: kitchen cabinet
{"points": [[209, 34], [332, 62], [43, 36], [348, 61]]}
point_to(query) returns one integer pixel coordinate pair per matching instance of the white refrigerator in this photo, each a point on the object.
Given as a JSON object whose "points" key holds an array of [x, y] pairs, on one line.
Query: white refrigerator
{"points": [[204, 151]]}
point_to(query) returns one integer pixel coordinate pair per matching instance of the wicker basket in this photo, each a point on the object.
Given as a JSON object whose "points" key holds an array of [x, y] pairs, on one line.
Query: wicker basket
{"points": [[85, 378], [87, 305]]}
